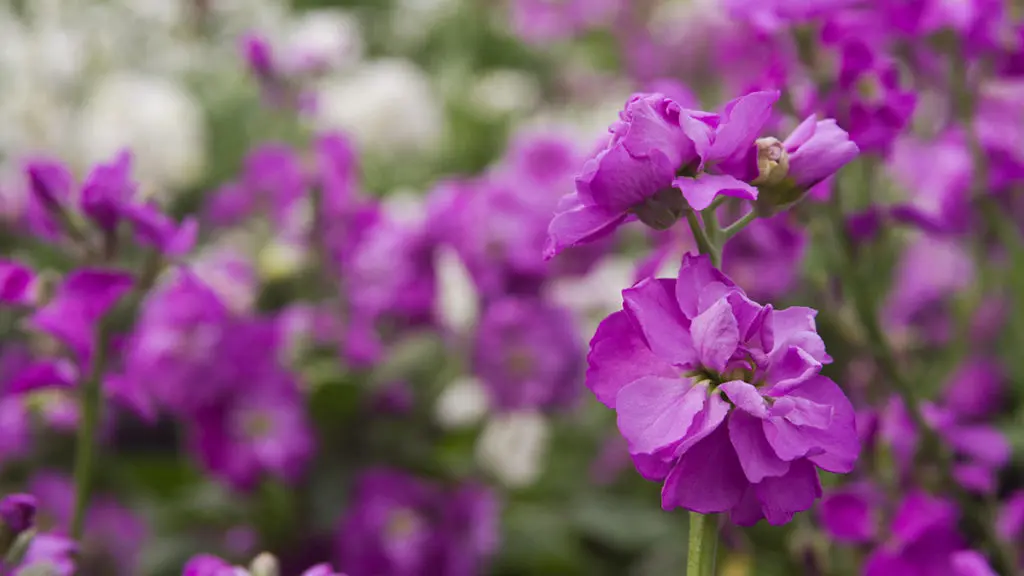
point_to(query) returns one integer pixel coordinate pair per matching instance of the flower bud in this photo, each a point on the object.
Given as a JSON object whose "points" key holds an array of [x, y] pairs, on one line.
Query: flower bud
{"points": [[18, 512], [772, 162]]}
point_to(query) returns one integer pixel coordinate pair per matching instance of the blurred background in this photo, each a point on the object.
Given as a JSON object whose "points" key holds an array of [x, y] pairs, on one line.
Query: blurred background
{"points": [[396, 376]]}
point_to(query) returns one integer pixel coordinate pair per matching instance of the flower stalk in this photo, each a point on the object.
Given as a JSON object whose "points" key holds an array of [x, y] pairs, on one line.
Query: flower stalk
{"points": [[703, 549]]}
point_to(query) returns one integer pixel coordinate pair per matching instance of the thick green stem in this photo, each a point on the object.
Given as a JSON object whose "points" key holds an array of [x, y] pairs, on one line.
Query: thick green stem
{"points": [[704, 244], [90, 406], [703, 551]]}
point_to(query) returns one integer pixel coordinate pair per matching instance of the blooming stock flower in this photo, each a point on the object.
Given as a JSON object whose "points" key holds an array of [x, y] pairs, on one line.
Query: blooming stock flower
{"points": [[720, 397]]}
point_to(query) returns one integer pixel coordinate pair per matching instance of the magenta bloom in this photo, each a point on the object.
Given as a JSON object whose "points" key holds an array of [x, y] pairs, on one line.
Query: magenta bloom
{"points": [[82, 300], [209, 565], [720, 398], [401, 526], [543, 21], [850, 513], [16, 283], [261, 426], [50, 553], [528, 354], [924, 540], [637, 174], [18, 511], [817, 149]]}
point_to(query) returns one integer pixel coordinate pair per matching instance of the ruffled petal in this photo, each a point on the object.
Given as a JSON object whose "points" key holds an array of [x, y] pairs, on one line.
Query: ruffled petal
{"points": [[618, 355], [755, 454], [655, 413], [715, 335], [707, 478], [701, 191], [651, 304], [781, 497]]}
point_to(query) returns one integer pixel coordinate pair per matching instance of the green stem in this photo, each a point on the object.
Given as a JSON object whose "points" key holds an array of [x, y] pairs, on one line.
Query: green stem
{"points": [[703, 551], [704, 244], [738, 226], [85, 450]]}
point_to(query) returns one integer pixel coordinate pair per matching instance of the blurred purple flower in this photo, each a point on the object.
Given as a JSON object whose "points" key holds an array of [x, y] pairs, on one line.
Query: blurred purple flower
{"points": [[871, 103], [850, 513], [260, 427], [17, 283], [51, 554], [765, 258], [528, 354], [114, 535], [401, 526], [976, 389], [18, 511], [657, 363], [544, 21], [82, 300], [937, 174]]}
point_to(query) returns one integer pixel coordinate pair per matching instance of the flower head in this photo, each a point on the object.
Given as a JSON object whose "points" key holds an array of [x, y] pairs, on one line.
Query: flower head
{"points": [[720, 397]]}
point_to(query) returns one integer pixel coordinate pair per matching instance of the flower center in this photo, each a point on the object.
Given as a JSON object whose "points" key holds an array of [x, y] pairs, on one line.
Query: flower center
{"points": [[257, 424], [519, 362], [402, 523]]}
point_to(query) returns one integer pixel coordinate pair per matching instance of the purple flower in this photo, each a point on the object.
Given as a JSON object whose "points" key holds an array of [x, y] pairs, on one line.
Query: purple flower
{"points": [[787, 170], [850, 513], [982, 448], [937, 174], [543, 21], [17, 283], [107, 190], [765, 258], [81, 301], [976, 389], [18, 511], [874, 107], [50, 186], [262, 427], [51, 553], [1010, 522], [209, 565], [114, 535], [528, 354], [676, 361], [924, 539], [401, 526], [636, 175]]}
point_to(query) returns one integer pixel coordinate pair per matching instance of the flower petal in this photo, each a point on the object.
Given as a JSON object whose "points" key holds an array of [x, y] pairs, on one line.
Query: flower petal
{"points": [[654, 413], [579, 224], [651, 304], [840, 441], [756, 456], [745, 397], [715, 335], [707, 478], [702, 190], [618, 355], [695, 275], [744, 118], [616, 180], [802, 412], [783, 496]]}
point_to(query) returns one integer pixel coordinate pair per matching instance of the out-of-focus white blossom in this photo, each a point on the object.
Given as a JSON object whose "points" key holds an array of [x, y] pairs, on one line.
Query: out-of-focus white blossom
{"points": [[513, 447], [461, 404], [505, 92], [596, 295], [457, 305], [412, 20], [153, 116], [323, 40], [386, 105]]}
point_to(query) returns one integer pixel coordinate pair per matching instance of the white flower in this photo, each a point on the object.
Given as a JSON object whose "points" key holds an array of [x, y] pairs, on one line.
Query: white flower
{"points": [[387, 106], [596, 295], [456, 304], [505, 92], [324, 39], [412, 20], [513, 447], [156, 118], [405, 206], [461, 404]]}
